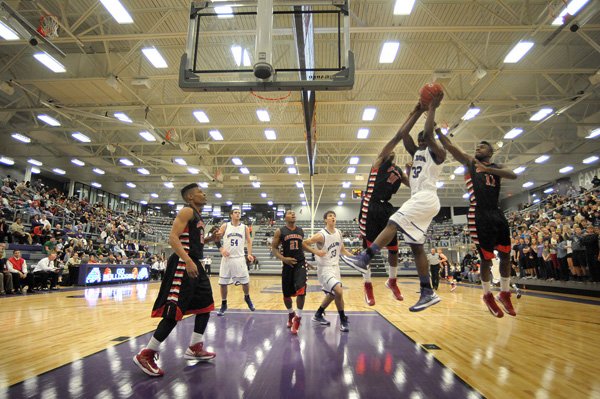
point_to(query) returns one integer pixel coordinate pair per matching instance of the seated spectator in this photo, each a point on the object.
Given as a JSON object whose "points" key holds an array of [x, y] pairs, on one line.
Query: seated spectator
{"points": [[18, 268], [17, 229], [46, 272], [6, 285]]}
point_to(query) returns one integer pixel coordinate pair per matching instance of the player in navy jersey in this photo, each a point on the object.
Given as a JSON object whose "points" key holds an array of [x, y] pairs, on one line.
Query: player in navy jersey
{"points": [[375, 209], [185, 288], [487, 225]]}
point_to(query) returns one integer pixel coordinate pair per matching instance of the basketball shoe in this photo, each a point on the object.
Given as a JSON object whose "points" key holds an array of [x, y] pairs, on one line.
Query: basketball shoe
{"points": [[249, 303], [197, 352], [492, 306], [452, 286], [391, 283], [290, 319], [146, 361], [359, 262], [369, 297], [504, 298], [223, 309], [344, 324], [295, 324], [321, 320], [427, 299]]}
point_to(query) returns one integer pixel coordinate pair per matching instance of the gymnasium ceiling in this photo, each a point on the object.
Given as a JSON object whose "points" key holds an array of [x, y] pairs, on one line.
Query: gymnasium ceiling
{"points": [[450, 39]]}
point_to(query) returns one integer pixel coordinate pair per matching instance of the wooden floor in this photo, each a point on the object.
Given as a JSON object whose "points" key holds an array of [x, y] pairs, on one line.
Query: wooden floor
{"points": [[550, 350]]}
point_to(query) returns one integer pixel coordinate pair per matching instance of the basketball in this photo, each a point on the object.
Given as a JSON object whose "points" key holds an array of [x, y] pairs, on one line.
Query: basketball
{"points": [[428, 91]]}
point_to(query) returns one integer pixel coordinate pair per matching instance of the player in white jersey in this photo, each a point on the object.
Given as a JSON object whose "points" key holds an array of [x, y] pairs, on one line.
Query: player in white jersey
{"points": [[415, 215], [330, 245], [233, 263]]}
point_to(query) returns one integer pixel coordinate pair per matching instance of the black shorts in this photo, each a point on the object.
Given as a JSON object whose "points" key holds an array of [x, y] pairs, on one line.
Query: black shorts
{"points": [[180, 295], [489, 231], [293, 279], [373, 220]]}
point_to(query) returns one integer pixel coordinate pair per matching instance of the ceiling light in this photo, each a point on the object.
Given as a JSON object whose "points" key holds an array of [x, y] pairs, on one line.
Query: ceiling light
{"points": [[126, 162], [256, 184], [264, 195], [388, 52], [593, 134], [144, 202], [169, 184], [143, 171], [244, 171], [116, 9], [218, 195], [216, 135], [346, 184], [59, 171], [465, 195], [97, 185], [527, 184], [203, 184], [224, 12], [131, 185], [77, 162], [228, 203], [263, 115], [292, 170], [302, 195], [343, 195], [7, 161], [270, 203], [403, 7], [236, 161], [155, 58], [81, 137], [351, 169], [471, 113], [519, 170], [124, 195], [303, 203], [201, 116], [452, 176], [362, 133], [548, 190], [35, 162], [180, 161], [566, 169], [289, 161], [50, 62], [146, 135], [354, 160], [7, 33], [270, 135], [171, 203], [460, 170], [98, 171], [591, 159], [572, 8], [439, 184], [542, 158], [535, 201], [369, 114], [122, 117], [513, 133], [48, 120], [22, 138], [541, 114], [154, 195], [518, 52], [340, 203], [193, 171], [299, 184]]}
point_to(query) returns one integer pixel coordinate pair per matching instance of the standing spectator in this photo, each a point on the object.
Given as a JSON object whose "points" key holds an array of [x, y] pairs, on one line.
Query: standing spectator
{"points": [[561, 254], [579, 259], [434, 268], [6, 285], [548, 272], [590, 242]]}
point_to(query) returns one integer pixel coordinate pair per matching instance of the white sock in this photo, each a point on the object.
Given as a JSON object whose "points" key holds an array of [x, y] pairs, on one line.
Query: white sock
{"points": [[393, 271], [487, 287], [291, 310], [299, 313], [367, 276], [153, 345], [195, 338], [504, 283]]}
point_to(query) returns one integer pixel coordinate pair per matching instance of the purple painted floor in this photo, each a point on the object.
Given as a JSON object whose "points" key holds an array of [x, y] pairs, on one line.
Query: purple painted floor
{"points": [[257, 357]]}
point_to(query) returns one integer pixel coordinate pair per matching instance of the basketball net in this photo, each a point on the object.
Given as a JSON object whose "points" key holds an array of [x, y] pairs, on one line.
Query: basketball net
{"points": [[48, 26]]}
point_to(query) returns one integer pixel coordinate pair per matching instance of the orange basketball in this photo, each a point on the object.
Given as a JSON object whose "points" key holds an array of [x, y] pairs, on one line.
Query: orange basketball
{"points": [[428, 91]]}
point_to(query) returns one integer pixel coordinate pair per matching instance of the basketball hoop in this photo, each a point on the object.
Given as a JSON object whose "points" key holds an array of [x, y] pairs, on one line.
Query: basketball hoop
{"points": [[271, 98], [48, 26]]}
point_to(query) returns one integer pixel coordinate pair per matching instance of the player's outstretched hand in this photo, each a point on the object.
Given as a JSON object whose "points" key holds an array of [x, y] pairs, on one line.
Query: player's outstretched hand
{"points": [[436, 100], [191, 269], [290, 261]]}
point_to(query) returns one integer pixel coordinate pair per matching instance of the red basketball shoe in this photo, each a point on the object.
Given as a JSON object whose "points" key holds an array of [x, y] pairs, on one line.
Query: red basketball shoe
{"points": [[369, 297], [295, 324], [146, 361], [393, 286], [504, 298], [197, 352], [290, 319], [492, 306]]}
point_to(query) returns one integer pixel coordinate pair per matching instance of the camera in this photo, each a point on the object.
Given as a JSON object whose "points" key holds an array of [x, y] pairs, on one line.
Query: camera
{"points": [[574, 27], [33, 41], [163, 142]]}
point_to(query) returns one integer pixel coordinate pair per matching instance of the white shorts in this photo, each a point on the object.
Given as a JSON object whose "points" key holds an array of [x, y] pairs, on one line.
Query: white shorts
{"points": [[233, 271], [415, 215], [329, 277]]}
